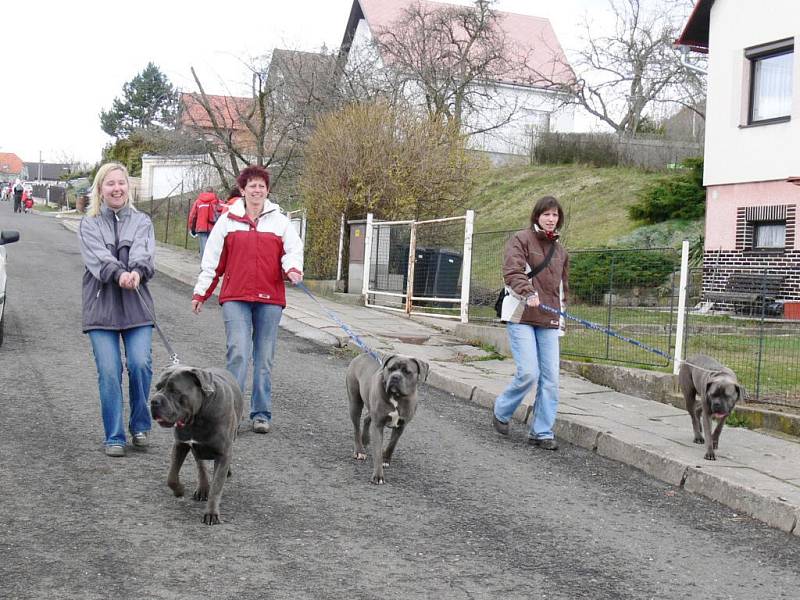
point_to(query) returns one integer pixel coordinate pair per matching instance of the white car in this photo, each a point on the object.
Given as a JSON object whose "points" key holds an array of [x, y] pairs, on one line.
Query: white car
{"points": [[6, 237]]}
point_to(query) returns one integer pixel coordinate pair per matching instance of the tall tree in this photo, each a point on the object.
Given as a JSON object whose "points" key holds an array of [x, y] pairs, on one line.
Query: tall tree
{"points": [[447, 57], [148, 101], [627, 71]]}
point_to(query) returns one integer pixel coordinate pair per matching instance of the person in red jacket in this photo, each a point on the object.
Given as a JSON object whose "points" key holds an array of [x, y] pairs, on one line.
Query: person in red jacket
{"points": [[27, 201], [254, 246], [203, 215]]}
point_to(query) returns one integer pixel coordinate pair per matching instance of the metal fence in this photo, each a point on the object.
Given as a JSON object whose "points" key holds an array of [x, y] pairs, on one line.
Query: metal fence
{"points": [[760, 346], [635, 293], [419, 266]]}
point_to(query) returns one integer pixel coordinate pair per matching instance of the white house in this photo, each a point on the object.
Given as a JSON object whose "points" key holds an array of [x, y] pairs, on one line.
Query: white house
{"points": [[537, 108], [752, 141]]}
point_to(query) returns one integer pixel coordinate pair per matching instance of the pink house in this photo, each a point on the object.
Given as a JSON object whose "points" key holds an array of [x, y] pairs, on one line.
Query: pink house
{"points": [[752, 142]]}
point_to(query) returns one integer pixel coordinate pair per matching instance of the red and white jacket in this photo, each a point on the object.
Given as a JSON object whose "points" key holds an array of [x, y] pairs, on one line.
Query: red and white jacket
{"points": [[252, 256]]}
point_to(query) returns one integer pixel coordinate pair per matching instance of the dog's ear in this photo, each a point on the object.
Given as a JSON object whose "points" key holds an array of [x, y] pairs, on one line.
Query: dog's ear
{"points": [[387, 359], [423, 368], [742, 392], [204, 379], [162, 379]]}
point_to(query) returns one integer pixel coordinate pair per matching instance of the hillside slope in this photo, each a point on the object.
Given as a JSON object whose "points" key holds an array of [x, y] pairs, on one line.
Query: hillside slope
{"points": [[595, 200]]}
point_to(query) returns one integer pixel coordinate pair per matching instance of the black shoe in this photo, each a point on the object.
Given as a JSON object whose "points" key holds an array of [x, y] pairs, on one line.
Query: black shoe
{"points": [[546, 444], [499, 426]]}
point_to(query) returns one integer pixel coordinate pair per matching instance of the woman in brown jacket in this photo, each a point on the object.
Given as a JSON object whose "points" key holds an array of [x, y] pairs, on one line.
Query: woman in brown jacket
{"points": [[533, 331]]}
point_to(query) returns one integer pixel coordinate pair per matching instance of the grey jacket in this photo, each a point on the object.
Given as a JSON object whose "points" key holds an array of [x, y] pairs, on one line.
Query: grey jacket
{"points": [[111, 245]]}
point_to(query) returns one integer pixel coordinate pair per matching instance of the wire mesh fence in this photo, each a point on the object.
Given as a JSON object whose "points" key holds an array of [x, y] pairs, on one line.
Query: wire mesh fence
{"points": [[437, 250], [632, 291], [753, 338]]}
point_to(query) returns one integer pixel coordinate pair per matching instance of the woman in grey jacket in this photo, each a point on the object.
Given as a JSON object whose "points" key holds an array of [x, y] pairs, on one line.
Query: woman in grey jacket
{"points": [[118, 248]]}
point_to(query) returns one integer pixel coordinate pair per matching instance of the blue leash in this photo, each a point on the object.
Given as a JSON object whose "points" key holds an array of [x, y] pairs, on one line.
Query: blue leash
{"points": [[358, 341], [596, 327]]}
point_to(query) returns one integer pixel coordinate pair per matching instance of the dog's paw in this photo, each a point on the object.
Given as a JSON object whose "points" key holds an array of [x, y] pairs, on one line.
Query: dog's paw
{"points": [[200, 493], [211, 518], [385, 463], [710, 455], [377, 480], [177, 488], [360, 455], [699, 439]]}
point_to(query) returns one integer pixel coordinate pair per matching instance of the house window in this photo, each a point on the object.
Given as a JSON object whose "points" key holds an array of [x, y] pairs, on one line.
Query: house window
{"points": [[770, 81], [769, 235]]}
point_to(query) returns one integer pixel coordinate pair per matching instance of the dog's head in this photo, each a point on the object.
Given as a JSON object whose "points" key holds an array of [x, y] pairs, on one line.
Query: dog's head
{"points": [[180, 392], [722, 394], [402, 374]]}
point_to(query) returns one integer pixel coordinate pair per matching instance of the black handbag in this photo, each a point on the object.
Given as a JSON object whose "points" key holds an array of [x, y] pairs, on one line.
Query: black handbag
{"points": [[498, 304]]}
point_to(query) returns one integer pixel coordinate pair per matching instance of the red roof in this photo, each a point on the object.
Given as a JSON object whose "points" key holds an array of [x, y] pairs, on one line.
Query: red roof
{"points": [[695, 32], [531, 38], [227, 111], [10, 164]]}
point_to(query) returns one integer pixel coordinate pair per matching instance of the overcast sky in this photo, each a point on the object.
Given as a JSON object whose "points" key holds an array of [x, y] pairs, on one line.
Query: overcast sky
{"points": [[67, 61]]}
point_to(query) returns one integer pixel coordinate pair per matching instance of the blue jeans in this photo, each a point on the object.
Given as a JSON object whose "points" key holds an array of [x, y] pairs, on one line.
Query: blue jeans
{"points": [[251, 328], [202, 238], [108, 358], [536, 354]]}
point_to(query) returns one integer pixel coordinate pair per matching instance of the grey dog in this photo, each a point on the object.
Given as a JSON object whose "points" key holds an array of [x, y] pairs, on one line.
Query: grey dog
{"points": [[389, 393], [719, 391], [205, 407]]}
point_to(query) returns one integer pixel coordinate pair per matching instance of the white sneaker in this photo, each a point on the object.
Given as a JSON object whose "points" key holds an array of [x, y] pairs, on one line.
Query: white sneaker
{"points": [[261, 426]]}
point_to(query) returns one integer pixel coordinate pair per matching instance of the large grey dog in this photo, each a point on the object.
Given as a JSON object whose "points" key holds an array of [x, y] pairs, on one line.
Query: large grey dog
{"points": [[205, 407], [719, 391], [389, 393]]}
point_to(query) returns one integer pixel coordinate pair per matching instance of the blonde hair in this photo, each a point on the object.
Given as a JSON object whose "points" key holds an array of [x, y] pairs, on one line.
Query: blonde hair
{"points": [[95, 199]]}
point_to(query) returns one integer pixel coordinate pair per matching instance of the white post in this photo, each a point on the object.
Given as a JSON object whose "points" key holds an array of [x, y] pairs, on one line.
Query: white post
{"points": [[679, 333], [367, 258], [341, 248], [466, 265], [303, 222], [412, 256]]}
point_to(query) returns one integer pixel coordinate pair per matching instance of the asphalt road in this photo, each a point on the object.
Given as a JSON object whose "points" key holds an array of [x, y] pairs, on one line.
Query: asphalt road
{"points": [[464, 513]]}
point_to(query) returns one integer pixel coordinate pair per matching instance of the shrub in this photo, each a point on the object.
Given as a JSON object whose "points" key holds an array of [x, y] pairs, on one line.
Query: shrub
{"points": [[593, 274], [677, 196], [599, 149]]}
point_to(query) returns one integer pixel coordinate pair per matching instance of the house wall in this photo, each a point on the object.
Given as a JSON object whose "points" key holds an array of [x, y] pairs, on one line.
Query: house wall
{"points": [[538, 110], [725, 203], [163, 176], [735, 152]]}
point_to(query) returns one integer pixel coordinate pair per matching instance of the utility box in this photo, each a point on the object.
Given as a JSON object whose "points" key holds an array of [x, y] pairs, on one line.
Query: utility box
{"points": [[791, 310]]}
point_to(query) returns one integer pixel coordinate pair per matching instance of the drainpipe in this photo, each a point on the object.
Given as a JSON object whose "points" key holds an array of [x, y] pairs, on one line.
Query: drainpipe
{"points": [[684, 50]]}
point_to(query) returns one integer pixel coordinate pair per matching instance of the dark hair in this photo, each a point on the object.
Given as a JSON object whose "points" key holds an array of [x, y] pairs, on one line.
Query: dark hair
{"points": [[252, 172], [543, 204], [234, 192]]}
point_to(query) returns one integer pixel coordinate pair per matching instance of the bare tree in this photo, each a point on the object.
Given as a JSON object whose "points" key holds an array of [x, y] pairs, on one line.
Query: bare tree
{"points": [[625, 74], [270, 126], [449, 58]]}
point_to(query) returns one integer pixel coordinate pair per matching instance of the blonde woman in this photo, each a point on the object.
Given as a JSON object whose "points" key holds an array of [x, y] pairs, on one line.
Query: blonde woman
{"points": [[118, 248]]}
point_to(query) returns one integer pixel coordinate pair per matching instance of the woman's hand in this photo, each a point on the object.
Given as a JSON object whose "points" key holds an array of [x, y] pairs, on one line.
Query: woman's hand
{"points": [[197, 306], [533, 300], [129, 280], [294, 277]]}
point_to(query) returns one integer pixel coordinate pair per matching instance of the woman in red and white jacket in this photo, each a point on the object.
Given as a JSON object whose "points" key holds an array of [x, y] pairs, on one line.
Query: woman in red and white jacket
{"points": [[254, 245]]}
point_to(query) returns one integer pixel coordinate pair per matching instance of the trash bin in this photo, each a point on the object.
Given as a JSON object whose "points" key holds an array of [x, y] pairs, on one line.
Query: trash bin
{"points": [[436, 273]]}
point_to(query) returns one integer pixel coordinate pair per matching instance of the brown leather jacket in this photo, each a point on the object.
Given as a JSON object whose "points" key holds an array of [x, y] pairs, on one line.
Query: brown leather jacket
{"points": [[524, 251]]}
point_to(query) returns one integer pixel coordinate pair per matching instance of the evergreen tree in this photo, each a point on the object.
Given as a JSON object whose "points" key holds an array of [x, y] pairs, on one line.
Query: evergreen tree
{"points": [[148, 100]]}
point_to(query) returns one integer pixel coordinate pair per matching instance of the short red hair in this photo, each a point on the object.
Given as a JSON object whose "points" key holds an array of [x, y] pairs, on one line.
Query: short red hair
{"points": [[252, 172]]}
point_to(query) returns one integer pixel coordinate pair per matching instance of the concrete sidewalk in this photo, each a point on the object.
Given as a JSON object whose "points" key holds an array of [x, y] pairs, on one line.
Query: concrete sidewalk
{"points": [[754, 473]]}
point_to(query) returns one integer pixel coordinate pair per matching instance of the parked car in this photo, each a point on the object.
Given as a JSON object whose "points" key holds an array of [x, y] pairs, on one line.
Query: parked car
{"points": [[6, 237]]}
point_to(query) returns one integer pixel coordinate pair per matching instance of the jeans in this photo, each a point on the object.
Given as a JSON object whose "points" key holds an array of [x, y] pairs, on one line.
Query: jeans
{"points": [[202, 238], [108, 358], [536, 354], [252, 328]]}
